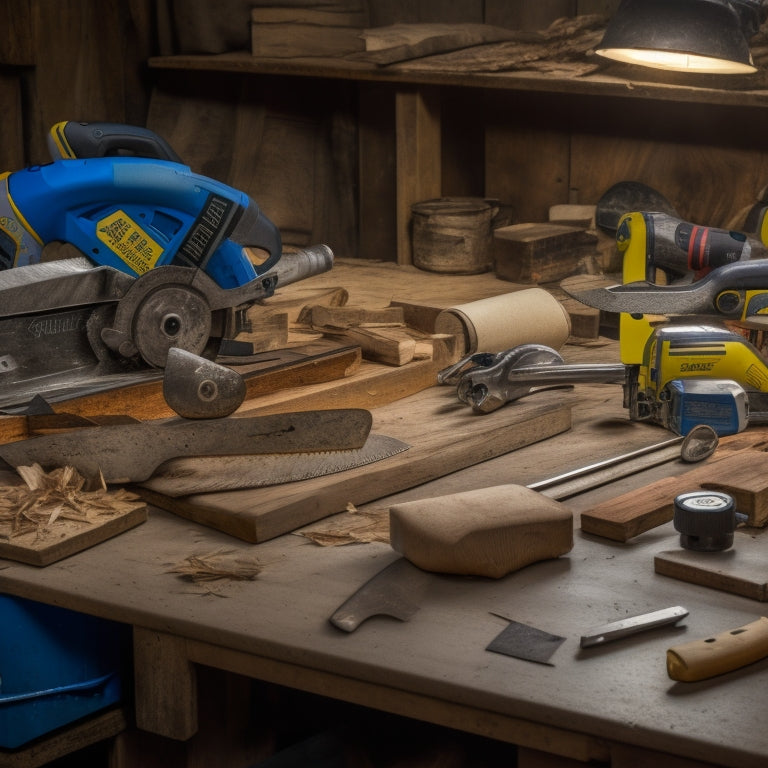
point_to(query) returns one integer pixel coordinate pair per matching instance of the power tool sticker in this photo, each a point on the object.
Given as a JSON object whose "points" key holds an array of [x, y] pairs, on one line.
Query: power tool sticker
{"points": [[129, 242]]}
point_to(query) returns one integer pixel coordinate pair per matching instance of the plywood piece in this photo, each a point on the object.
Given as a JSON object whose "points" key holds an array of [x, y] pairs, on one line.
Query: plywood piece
{"points": [[443, 436], [740, 570]]}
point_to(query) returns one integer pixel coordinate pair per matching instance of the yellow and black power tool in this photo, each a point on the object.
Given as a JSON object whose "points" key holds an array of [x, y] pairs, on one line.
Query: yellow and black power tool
{"points": [[689, 300]]}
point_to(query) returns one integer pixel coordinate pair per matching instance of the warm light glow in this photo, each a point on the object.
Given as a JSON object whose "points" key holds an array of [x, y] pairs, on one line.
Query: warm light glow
{"points": [[678, 62]]}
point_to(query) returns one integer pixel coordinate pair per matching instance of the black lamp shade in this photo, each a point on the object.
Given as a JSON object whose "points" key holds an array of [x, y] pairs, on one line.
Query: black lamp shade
{"points": [[702, 35]]}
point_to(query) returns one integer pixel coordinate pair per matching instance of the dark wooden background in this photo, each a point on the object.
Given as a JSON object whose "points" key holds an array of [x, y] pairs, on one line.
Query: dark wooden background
{"points": [[293, 143]]}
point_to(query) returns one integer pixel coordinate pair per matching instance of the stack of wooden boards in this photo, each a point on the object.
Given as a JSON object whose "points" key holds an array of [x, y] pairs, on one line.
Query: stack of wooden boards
{"points": [[738, 469]]}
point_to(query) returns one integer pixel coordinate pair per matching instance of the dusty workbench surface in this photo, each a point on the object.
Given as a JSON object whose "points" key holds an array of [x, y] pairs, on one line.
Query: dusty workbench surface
{"points": [[436, 667]]}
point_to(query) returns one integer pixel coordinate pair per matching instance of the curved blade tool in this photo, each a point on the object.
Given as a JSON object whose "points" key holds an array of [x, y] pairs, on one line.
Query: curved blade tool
{"points": [[721, 293]]}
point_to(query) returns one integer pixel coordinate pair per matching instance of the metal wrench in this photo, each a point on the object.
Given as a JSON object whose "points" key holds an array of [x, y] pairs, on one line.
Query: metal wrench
{"points": [[488, 381]]}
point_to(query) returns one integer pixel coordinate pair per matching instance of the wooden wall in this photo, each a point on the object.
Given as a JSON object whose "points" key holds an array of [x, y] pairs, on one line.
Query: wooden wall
{"points": [[304, 149], [69, 60]]}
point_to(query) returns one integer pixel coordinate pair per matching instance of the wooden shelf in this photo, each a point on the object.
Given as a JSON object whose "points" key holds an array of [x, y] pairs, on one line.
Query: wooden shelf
{"points": [[614, 82]]}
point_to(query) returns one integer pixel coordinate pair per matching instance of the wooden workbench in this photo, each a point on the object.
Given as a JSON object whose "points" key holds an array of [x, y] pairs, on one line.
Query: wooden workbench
{"points": [[613, 704]]}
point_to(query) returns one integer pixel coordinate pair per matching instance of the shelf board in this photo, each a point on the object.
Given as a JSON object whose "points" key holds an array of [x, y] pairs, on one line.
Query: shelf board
{"points": [[744, 92]]}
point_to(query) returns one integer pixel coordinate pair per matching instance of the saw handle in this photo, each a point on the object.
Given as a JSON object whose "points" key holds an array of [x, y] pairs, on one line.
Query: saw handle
{"points": [[701, 659], [69, 140]]}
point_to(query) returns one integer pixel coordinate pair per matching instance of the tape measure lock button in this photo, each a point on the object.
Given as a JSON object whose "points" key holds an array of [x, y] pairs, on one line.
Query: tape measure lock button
{"points": [[706, 520]]}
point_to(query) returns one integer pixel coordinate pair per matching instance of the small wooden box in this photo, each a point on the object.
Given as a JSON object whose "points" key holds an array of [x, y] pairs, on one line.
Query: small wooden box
{"points": [[539, 253]]}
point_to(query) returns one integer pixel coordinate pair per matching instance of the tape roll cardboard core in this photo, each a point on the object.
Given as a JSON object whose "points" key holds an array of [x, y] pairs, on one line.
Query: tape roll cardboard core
{"points": [[529, 316]]}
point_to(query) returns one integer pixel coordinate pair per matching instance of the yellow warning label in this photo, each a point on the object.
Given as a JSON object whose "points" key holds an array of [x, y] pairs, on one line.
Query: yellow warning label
{"points": [[129, 242]]}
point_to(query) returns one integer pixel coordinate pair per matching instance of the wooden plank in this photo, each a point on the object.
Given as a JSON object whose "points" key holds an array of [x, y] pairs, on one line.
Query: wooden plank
{"points": [[417, 119], [442, 439], [63, 537], [65, 741], [288, 369], [633, 513], [735, 468], [740, 570]]}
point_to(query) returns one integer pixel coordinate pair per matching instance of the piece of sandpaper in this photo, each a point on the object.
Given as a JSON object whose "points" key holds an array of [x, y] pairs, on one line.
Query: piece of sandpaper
{"points": [[525, 642]]}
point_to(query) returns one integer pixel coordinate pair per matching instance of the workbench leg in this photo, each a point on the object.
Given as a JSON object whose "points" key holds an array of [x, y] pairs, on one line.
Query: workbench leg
{"points": [[418, 166], [165, 685]]}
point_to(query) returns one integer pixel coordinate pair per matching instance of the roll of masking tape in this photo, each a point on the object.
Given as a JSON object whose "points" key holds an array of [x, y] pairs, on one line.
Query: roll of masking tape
{"points": [[529, 316]]}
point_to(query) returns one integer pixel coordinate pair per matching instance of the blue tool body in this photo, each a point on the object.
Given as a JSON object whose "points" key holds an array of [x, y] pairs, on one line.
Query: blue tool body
{"points": [[134, 214]]}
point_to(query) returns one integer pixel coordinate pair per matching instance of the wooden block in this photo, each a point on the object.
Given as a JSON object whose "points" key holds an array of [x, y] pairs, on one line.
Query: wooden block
{"points": [[539, 253], [633, 513], [585, 321], [582, 216], [267, 330], [380, 345], [486, 532], [418, 316], [741, 570], [349, 316], [294, 32]]}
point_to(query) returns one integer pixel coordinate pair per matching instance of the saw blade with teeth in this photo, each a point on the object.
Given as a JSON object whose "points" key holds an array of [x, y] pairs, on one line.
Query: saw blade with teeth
{"points": [[182, 477]]}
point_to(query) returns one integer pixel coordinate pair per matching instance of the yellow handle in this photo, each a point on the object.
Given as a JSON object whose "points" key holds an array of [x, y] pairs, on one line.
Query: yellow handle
{"points": [[722, 653]]}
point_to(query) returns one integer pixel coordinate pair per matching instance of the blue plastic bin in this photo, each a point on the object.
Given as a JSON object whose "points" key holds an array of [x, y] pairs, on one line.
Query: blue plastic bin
{"points": [[56, 666]]}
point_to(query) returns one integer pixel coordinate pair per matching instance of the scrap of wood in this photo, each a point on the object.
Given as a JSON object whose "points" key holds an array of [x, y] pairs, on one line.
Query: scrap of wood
{"points": [[217, 566], [318, 316], [57, 495], [563, 48], [388, 346], [52, 515]]}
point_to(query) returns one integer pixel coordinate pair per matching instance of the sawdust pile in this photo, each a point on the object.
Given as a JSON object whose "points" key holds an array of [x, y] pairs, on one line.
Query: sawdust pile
{"points": [[46, 498], [354, 527]]}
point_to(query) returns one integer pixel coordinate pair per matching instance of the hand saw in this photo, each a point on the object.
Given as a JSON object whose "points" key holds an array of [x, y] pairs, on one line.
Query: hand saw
{"points": [[131, 452]]}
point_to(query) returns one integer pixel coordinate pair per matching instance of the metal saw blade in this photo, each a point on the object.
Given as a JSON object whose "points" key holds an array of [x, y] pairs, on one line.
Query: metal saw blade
{"points": [[189, 476]]}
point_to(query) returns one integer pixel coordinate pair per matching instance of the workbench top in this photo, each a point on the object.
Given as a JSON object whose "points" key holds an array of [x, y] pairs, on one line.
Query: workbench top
{"points": [[436, 667]]}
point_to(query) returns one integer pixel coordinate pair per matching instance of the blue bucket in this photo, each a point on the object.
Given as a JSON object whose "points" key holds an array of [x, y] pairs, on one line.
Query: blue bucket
{"points": [[56, 666]]}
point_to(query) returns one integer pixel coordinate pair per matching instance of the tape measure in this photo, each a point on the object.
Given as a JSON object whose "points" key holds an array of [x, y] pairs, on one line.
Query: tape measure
{"points": [[706, 520]]}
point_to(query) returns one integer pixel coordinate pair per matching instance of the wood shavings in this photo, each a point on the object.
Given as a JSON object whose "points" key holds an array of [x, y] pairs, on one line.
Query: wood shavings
{"points": [[368, 527], [50, 498], [215, 566]]}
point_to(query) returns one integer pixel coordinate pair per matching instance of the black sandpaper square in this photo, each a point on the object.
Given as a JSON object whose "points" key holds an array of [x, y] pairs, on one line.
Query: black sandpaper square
{"points": [[524, 642]]}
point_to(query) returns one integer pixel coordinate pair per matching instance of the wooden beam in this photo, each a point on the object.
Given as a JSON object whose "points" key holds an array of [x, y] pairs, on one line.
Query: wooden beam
{"points": [[417, 120]]}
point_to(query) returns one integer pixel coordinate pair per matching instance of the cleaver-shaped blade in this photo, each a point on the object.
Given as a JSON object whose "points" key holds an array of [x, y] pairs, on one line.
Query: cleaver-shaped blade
{"points": [[395, 591], [128, 453]]}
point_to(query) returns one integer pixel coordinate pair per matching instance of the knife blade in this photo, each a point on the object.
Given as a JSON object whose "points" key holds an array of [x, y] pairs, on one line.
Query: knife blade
{"points": [[131, 452]]}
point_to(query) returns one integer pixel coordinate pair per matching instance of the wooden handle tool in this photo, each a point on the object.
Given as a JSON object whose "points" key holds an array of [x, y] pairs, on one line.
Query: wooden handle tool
{"points": [[701, 659]]}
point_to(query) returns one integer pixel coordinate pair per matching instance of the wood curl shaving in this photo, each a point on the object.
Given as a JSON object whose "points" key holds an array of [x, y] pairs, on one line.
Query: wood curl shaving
{"points": [[215, 566], [58, 495]]}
